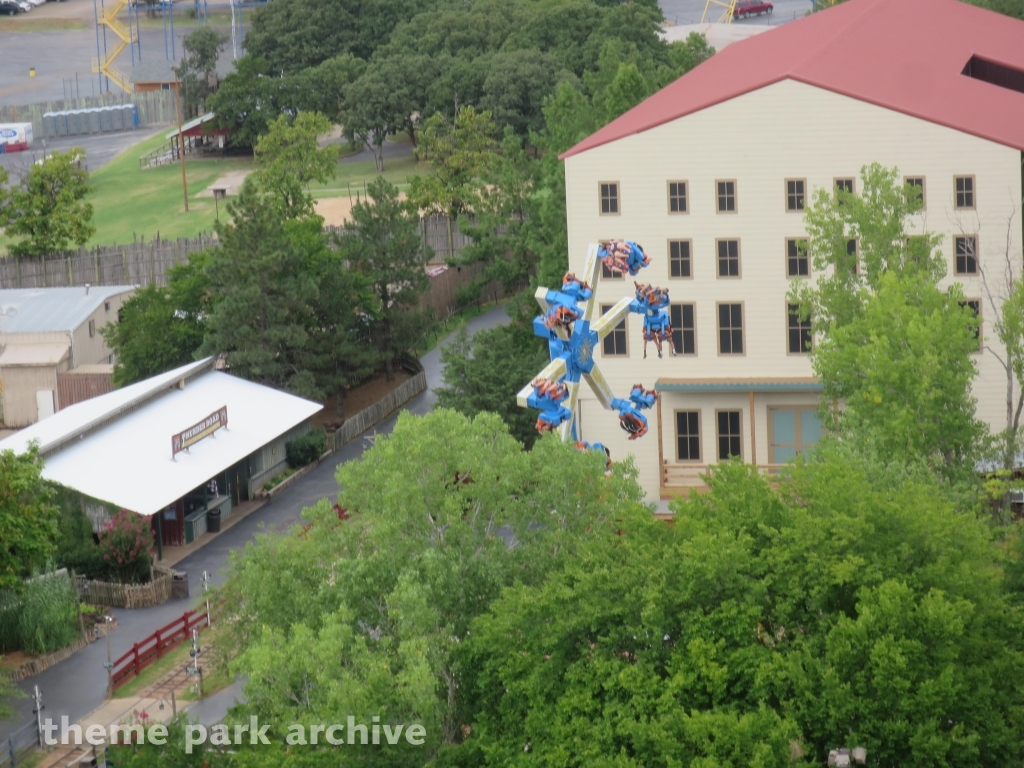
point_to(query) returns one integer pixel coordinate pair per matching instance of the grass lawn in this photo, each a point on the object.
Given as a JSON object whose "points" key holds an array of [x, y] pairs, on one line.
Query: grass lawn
{"points": [[40, 25], [213, 679], [129, 202], [176, 659], [353, 176], [185, 24]]}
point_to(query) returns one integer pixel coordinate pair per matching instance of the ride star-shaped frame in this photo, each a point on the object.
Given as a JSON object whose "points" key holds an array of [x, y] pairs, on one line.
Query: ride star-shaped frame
{"points": [[572, 352]]}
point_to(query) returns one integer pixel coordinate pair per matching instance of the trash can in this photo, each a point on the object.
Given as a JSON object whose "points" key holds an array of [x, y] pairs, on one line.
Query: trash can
{"points": [[213, 521], [179, 585]]}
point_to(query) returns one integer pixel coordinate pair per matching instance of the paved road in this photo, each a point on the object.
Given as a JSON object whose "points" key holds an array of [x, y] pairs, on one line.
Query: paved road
{"points": [[691, 12], [76, 686], [100, 149]]}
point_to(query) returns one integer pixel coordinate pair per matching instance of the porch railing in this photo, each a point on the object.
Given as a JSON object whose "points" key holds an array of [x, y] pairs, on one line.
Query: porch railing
{"points": [[683, 476]]}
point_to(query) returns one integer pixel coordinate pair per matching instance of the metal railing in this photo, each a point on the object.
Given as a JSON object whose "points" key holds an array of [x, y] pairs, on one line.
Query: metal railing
{"points": [[678, 475]]}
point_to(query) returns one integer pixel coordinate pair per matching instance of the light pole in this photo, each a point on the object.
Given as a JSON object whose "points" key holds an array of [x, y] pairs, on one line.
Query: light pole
{"points": [[108, 663]]}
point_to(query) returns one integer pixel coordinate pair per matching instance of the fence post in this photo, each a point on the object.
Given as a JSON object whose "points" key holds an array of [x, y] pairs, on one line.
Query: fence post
{"points": [[135, 649], [159, 645], [10, 750]]}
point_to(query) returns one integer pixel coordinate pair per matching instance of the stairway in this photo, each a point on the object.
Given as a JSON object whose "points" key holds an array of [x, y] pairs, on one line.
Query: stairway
{"points": [[125, 37]]}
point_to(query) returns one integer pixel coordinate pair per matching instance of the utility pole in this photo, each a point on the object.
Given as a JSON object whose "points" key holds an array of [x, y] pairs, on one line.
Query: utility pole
{"points": [[108, 663], [181, 139], [37, 705]]}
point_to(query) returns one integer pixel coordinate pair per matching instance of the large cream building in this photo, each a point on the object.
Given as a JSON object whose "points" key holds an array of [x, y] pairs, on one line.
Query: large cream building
{"points": [[711, 175]]}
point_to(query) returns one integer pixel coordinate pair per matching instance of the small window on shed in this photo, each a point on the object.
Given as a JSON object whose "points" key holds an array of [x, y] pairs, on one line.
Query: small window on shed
{"points": [[92, 328]]}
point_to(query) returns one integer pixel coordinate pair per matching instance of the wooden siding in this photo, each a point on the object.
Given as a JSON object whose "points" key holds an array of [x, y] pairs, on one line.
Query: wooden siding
{"points": [[786, 130], [75, 387]]}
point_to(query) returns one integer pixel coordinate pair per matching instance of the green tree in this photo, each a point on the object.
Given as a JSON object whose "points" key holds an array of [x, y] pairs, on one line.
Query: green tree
{"points": [[161, 328], [383, 242], [500, 227], [198, 66], [486, 372], [848, 604], [262, 293], [248, 99], [892, 345], [47, 210], [385, 100], [457, 151], [339, 351], [302, 34], [288, 158], [28, 517], [370, 616]]}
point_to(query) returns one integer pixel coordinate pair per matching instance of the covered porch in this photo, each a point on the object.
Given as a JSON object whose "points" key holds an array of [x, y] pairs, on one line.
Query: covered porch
{"points": [[702, 422]]}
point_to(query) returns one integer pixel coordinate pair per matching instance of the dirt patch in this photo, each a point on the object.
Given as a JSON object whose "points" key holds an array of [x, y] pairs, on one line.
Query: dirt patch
{"points": [[232, 181], [359, 398], [14, 660], [338, 210]]}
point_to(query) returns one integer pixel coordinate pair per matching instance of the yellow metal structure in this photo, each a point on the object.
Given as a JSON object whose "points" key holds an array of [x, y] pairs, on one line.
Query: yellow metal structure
{"points": [[125, 36], [727, 14]]}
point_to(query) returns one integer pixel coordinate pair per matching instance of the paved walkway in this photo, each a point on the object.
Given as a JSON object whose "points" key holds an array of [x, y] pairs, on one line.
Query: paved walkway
{"points": [[76, 686]]}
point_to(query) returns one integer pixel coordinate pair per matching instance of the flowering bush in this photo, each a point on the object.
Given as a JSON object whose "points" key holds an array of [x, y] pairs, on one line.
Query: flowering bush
{"points": [[124, 547]]}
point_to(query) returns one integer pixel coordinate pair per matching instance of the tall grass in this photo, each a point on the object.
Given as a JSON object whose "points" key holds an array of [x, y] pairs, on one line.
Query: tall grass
{"points": [[42, 619]]}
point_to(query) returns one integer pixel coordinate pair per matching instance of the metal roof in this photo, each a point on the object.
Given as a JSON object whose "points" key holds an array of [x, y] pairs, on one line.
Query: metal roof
{"points": [[39, 310], [33, 354], [909, 56], [117, 447], [191, 124]]}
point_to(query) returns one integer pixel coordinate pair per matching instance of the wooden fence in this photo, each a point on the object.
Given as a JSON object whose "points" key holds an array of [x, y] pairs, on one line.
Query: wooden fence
{"points": [[144, 653], [154, 108], [76, 387], [156, 592], [138, 263], [376, 413]]}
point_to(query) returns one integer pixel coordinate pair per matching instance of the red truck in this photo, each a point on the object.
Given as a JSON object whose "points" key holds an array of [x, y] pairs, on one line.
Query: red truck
{"points": [[746, 8]]}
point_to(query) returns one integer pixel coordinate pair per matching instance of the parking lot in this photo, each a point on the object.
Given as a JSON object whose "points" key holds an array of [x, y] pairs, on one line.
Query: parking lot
{"points": [[691, 12]]}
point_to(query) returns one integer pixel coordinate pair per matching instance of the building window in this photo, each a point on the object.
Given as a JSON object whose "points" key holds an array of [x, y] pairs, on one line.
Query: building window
{"points": [[799, 331], [726, 196], [729, 442], [975, 306], [730, 329], [106, 306], [964, 191], [679, 263], [684, 328], [688, 435], [795, 194], [677, 197], [853, 262], [728, 258], [844, 185], [92, 328], [607, 274], [916, 191], [966, 249], [798, 264], [790, 431], [615, 342], [609, 197]]}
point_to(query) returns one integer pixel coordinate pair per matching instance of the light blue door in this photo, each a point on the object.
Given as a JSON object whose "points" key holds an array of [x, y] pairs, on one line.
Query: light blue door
{"points": [[792, 430]]}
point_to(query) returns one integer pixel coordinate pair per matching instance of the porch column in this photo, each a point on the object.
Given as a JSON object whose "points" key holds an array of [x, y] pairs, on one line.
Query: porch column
{"points": [[753, 442]]}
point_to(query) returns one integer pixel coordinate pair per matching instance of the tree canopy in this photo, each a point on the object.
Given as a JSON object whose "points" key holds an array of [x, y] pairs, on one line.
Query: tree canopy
{"points": [[160, 328], [48, 210]]}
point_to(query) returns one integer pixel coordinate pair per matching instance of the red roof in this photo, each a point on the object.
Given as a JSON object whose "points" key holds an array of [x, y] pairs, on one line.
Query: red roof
{"points": [[905, 55]]}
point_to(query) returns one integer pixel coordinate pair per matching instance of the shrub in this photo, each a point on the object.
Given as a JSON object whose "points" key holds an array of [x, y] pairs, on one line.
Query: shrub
{"points": [[48, 618], [124, 546], [306, 449]]}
